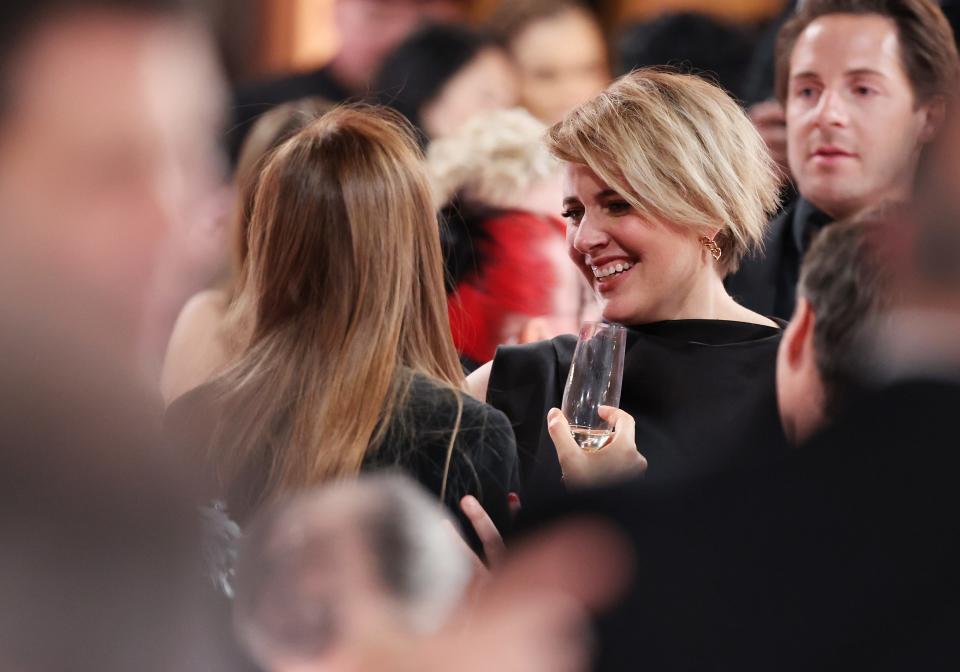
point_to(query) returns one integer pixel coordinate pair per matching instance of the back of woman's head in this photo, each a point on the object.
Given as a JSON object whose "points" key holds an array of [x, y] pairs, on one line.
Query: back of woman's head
{"points": [[678, 149], [271, 129], [341, 293]]}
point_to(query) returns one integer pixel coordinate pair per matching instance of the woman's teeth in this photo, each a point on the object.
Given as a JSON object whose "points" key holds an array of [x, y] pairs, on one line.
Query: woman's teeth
{"points": [[611, 269]]}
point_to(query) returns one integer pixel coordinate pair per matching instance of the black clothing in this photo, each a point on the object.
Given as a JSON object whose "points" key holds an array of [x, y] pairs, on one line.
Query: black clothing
{"points": [[767, 280], [484, 462], [252, 100], [436, 53], [683, 381], [759, 75], [841, 555]]}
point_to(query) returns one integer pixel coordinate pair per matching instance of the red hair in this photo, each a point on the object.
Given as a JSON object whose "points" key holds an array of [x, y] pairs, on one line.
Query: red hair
{"points": [[517, 277]]}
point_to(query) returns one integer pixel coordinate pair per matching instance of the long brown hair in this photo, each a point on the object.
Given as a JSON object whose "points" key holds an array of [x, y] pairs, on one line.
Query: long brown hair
{"points": [[271, 130], [340, 298]]}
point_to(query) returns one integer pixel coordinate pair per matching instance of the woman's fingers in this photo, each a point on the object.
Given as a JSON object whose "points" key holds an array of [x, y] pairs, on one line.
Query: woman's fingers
{"points": [[483, 525], [623, 423], [514, 504], [568, 452]]}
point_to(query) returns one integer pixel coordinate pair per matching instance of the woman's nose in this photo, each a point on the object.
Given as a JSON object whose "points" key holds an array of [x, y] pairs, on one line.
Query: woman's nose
{"points": [[589, 237]]}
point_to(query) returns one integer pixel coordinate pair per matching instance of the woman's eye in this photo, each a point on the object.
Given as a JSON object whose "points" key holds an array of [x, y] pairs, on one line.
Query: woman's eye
{"points": [[617, 208], [572, 215]]}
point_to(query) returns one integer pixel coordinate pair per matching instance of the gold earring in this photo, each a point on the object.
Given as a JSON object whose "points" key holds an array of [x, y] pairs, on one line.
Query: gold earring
{"points": [[711, 245]]}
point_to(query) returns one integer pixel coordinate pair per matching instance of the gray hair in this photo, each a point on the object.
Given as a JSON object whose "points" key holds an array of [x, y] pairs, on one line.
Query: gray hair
{"points": [[419, 564]]}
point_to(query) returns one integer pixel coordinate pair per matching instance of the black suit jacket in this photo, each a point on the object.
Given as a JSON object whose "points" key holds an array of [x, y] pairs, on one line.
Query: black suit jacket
{"points": [[767, 280], [844, 555]]}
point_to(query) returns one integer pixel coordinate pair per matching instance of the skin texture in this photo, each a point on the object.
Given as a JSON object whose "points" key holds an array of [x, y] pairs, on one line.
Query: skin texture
{"points": [[197, 347], [617, 460], [562, 63], [799, 386], [673, 276], [95, 179], [371, 29], [486, 84], [848, 91]]}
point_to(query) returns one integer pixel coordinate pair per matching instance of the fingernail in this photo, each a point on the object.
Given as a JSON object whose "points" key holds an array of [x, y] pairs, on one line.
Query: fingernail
{"points": [[513, 498], [553, 413]]}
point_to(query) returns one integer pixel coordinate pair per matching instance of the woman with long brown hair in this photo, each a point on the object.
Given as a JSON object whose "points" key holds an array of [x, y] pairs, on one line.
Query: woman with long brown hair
{"points": [[342, 358], [197, 349]]}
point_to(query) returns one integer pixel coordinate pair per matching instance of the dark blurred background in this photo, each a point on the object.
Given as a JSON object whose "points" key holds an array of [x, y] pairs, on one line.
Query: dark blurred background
{"points": [[290, 35]]}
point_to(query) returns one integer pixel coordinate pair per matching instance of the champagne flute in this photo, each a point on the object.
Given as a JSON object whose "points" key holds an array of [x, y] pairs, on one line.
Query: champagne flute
{"points": [[595, 379]]}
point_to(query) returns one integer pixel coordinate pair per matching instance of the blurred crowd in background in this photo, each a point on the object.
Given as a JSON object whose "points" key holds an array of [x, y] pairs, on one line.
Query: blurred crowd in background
{"points": [[290, 293]]}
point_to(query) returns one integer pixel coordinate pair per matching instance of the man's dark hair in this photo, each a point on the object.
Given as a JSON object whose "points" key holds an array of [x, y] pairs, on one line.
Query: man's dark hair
{"points": [[848, 284], [927, 46], [418, 69], [692, 42]]}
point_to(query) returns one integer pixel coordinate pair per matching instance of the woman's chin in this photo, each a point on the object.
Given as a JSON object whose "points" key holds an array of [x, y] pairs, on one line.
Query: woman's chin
{"points": [[619, 314]]}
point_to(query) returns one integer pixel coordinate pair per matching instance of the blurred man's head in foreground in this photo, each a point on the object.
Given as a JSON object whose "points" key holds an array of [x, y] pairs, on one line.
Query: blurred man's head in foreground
{"points": [[334, 570], [845, 287], [108, 130]]}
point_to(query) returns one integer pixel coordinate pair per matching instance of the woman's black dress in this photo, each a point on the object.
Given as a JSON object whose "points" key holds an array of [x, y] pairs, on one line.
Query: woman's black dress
{"points": [[484, 461], [702, 392]]}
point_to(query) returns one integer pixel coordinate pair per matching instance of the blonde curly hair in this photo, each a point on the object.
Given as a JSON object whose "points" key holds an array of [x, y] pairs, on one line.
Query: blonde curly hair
{"points": [[495, 158]]}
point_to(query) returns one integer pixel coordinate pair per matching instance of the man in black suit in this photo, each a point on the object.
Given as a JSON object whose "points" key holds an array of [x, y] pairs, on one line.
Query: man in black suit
{"points": [[863, 85], [367, 31]]}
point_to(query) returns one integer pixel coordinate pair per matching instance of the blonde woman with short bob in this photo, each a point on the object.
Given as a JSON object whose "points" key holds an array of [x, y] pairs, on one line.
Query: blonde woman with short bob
{"points": [[666, 185], [342, 359]]}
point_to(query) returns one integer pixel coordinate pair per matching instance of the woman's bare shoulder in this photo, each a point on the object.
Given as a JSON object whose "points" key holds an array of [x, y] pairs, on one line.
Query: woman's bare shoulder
{"points": [[196, 348], [478, 381]]}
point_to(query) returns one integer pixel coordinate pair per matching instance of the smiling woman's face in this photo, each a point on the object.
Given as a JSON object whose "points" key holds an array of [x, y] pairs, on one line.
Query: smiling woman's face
{"points": [[660, 264]]}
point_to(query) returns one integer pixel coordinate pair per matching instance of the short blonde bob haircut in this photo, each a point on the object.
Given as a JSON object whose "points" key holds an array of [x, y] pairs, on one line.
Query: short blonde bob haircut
{"points": [[680, 150]]}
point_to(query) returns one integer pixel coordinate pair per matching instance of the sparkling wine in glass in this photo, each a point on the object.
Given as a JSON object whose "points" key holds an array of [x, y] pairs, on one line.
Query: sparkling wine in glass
{"points": [[595, 379]]}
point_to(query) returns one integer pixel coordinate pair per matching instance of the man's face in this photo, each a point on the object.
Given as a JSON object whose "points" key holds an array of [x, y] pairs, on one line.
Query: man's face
{"points": [[370, 29], [110, 142], [854, 130]]}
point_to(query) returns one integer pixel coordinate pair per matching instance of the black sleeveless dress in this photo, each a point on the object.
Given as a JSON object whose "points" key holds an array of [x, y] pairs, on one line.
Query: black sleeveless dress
{"points": [[702, 392]]}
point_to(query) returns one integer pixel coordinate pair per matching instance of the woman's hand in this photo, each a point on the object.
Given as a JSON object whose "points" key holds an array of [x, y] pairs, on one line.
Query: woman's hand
{"points": [[490, 539], [618, 459]]}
